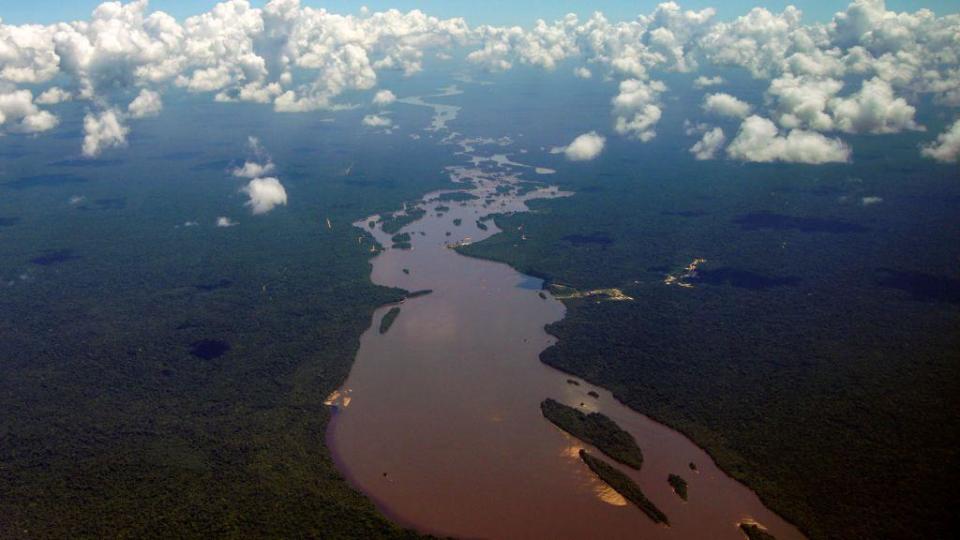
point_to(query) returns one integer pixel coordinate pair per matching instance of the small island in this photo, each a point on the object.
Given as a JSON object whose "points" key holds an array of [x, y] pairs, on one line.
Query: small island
{"points": [[419, 293], [399, 220], [679, 485], [387, 321], [623, 485], [754, 532], [595, 429], [401, 241], [455, 196]]}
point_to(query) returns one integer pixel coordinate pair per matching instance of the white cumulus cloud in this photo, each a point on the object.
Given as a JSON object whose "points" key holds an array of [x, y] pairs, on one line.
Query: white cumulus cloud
{"points": [[582, 73], [584, 148], [261, 164], [297, 59], [802, 102], [759, 140], [874, 109], [726, 105], [251, 169], [708, 146], [377, 121], [384, 98], [704, 81], [53, 95], [637, 108], [147, 103], [19, 113], [946, 148], [102, 131], [265, 194]]}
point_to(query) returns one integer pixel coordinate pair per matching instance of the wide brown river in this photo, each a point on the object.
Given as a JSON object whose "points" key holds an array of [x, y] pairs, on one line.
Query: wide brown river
{"points": [[439, 422]]}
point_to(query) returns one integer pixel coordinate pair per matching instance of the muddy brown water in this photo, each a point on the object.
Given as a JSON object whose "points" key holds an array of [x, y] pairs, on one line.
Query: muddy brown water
{"points": [[439, 422]]}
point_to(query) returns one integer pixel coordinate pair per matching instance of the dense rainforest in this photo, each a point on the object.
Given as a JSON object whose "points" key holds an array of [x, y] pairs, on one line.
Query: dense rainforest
{"points": [[164, 377]]}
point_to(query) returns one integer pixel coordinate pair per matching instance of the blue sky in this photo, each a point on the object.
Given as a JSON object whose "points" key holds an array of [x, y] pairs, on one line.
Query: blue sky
{"points": [[476, 12]]}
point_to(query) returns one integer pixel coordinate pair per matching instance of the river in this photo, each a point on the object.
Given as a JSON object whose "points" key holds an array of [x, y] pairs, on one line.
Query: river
{"points": [[439, 422]]}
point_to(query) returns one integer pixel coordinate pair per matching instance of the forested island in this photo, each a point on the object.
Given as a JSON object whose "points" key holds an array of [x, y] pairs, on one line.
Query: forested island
{"points": [[401, 241], [754, 532], [623, 485], [398, 220], [455, 196], [388, 318], [679, 485], [595, 429]]}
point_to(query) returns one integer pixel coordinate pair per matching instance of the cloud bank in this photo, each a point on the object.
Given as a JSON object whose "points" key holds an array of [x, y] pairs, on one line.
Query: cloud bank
{"points": [[856, 74]]}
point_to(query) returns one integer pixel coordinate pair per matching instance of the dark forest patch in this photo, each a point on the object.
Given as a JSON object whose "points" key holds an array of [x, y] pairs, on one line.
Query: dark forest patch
{"points": [[744, 279], [921, 286], [207, 287], [598, 238], [12, 153], [67, 134], [781, 222], [55, 256], [86, 163], [116, 203], [209, 349], [178, 156], [188, 325], [218, 165], [827, 190], [685, 213], [45, 180], [385, 183]]}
